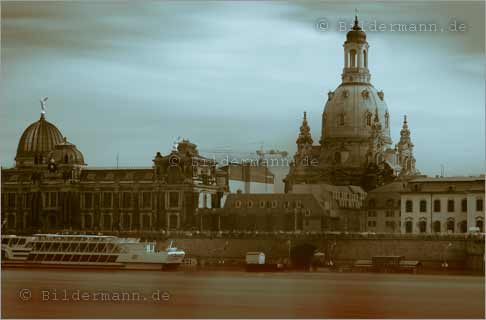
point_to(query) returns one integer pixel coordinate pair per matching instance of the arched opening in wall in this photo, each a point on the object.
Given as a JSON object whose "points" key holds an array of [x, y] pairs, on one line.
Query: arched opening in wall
{"points": [[450, 226], [422, 226], [66, 158], [463, 226], [352, 58], [437, 226], [365, 57], [301, 255], [408, 227], [480, 225]]}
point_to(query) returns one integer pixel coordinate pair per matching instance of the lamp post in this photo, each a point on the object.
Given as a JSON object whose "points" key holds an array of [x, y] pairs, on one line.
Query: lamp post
{"points": [[445, 264]]}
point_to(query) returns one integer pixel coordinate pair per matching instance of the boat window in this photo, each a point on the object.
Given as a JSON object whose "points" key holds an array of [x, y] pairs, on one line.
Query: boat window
{"points": [[65, 247], [5, 241], [102, 258], [112, 258], [30, 257], [85, 258], [82, 247], [40, 257], [14, 241], [56, 246], [75, 258], [48, 257], [93, 258], [67, 257], [91, 247], [58, 257]]}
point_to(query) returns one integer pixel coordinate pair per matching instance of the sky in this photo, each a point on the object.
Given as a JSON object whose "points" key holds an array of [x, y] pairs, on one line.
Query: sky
{"points": [[130, 78]]}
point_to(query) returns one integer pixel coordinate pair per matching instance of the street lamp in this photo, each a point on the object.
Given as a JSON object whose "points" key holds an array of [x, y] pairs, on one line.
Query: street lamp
{"points": [[445, 264]]}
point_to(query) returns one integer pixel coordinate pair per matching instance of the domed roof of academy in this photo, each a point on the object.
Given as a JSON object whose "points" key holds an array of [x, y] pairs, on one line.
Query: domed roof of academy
{"points": [[39, 138], [66, 153], [351, 108]]}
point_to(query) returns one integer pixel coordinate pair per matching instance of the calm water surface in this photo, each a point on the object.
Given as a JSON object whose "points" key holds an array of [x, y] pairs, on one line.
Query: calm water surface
{"points": [[215, 294]]}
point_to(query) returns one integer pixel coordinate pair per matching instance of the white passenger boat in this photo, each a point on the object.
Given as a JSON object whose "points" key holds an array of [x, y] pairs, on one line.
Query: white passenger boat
{"points": [[91, 251]]}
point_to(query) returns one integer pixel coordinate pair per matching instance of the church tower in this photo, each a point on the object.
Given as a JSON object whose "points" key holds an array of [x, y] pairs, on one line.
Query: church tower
{"points": [[405, 158], [304, 141], [351, 116]]}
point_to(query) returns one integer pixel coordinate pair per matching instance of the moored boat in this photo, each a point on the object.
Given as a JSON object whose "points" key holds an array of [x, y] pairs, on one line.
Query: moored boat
{"points": [[87, 251]]}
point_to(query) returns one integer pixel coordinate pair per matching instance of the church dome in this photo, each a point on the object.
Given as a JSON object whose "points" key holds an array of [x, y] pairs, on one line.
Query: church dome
{"points": [[38, 139], [350, 112], [66, 153]]}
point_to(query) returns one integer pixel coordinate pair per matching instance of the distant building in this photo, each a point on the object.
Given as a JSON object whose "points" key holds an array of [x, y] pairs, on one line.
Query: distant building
{"points": [[355, 146], [51, 188], [383, 208], [344, 204], [267, 212], [443, 205], [249, 178]]}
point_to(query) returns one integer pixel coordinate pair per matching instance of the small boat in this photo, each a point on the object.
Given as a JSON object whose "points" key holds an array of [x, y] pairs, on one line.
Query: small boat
{"points": [[87, 251]]}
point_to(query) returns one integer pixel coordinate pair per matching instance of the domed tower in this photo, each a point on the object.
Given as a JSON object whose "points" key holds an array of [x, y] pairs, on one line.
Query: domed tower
{"points": [[350, 114], [36, 142], [66, 159]]}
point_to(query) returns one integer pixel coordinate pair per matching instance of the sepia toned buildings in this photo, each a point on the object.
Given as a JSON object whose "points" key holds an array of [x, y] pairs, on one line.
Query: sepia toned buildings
{"points": [[51, 188], [443, 205], [355, 147]]}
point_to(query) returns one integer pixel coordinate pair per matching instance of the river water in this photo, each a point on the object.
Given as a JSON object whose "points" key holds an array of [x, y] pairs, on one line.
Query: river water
{"points": [[236, 294]]}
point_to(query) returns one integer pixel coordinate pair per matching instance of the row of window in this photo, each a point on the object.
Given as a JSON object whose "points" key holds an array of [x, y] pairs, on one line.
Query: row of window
{"points": [[90, 200], [388, 214], [451, 205], [72, 258], [269, 204], [450, 226]]}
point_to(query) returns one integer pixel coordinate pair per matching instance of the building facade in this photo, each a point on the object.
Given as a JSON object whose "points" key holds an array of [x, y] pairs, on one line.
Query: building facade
{"points": [[443, 205], [268, 213], [51, 188], [355, 147], [343, 204], [382, 206]]}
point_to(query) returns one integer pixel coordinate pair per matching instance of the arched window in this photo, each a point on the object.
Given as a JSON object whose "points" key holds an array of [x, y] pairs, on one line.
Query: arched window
{"points": [[463, 226], [423, 226], [437, 226], [409, 206], [365, 57], [353, 56], [387, 120], [450, 226], [480, 225], [66, 158], [408, 227]]}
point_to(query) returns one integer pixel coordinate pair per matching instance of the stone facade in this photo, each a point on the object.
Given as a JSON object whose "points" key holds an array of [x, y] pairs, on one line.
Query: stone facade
{"points": [[51, 189], [443, 205]]}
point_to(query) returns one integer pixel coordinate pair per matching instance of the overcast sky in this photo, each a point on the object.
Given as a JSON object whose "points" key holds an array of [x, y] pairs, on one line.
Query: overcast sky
{"points": [[129, 78]]}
